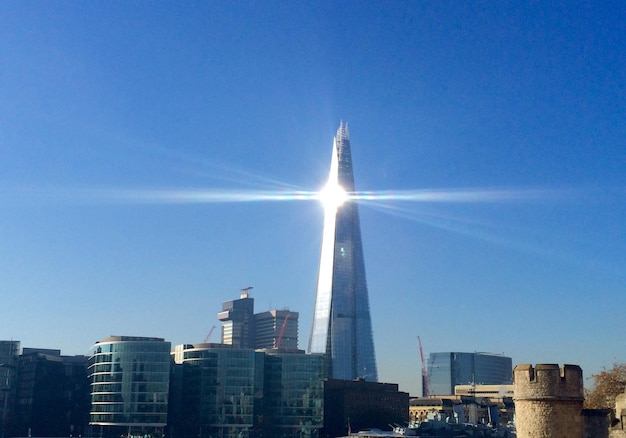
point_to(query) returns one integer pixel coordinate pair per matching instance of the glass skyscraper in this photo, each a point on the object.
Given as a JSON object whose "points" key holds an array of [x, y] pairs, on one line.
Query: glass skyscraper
{"points": [[342, 327]]}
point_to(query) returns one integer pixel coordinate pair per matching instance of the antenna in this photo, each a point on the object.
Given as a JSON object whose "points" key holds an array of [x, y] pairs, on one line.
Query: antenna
{"points": [[245, 290]]}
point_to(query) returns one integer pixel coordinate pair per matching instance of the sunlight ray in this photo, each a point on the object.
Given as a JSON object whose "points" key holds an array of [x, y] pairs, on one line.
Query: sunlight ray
{"points": [[365, 197], [383, 199]]}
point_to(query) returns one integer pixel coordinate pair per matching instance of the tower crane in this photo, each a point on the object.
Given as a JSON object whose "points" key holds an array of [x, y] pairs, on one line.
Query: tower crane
{"points": [[208, 336], [282, 331], [424, 372]]}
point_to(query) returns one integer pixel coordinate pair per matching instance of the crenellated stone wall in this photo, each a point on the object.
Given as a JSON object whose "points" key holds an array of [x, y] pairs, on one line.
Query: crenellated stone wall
{"points": [[548, 401]]}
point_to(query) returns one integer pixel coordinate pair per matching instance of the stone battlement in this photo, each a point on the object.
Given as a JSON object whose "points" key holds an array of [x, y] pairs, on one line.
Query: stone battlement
{"points": [[548, 401], [548, 381]]}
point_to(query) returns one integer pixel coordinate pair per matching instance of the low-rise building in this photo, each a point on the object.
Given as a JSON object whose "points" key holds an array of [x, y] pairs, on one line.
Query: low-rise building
{"points": [[353, 405]]}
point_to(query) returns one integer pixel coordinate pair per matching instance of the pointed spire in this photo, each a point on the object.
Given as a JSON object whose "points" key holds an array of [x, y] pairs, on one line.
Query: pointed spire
{"points": [[343, 132]]}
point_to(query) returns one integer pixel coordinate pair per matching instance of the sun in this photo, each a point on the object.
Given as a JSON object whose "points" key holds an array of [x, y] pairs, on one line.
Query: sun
{"points": [[333, 196]]}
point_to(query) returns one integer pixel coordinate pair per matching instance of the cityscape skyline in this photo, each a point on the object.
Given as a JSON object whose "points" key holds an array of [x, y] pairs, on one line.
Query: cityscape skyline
{"points": [[342, 325], [127, 130]]}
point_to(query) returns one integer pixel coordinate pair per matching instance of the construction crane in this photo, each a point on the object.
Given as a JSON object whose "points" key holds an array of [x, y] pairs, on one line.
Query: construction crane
{"points": [[424, 372], [208, 336], [282, 331]]}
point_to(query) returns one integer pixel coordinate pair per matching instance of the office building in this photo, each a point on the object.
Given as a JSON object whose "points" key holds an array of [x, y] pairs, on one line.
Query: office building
{"points": [[214, 389], [342, 327], [354, 405], [293, 394], [243, 328], [129, 379], [52, 396], [446, 370], [237, 318], [276, 329], [9, 352], [224, 391]]}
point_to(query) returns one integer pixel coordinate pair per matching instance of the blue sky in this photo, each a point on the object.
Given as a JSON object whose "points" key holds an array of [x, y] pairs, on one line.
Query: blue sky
{"points": [[516, 108]]}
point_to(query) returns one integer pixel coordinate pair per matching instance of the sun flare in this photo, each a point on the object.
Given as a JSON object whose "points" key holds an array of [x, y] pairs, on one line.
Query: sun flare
{"points": [[333, 196]]}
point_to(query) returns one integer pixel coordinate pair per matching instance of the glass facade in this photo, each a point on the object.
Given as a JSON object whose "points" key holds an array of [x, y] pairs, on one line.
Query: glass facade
{"points": [[9, 351], [446, 370], [342, 327], [217, 390], [129, 379], [294, 394], [52, 397]]}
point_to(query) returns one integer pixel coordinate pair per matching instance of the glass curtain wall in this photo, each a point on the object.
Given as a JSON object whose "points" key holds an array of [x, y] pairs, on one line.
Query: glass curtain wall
{"points": [[342, 327], [294, 394], [218, 391], [129, 379]]}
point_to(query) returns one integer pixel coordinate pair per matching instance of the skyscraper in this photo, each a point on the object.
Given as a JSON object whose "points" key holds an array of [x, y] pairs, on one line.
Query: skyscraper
{"points": [[342, 327], [276, 329], [238, 321]]}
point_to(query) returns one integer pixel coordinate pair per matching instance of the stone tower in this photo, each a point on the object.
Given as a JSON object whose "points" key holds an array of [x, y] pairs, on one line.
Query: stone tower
{"points": [[548, 401]]}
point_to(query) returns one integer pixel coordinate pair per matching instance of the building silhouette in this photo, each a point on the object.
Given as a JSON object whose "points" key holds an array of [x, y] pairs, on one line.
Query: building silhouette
{"points": [[342, 327], [9, 355], [351, 406], [52, 396], [43, 392]]}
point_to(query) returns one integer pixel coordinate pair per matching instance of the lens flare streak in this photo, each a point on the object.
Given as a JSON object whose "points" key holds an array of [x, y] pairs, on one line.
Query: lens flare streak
{"points": [[200, 196], [232, 196]]}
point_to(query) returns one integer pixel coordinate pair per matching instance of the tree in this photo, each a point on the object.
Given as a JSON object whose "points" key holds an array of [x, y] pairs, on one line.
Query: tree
{"points": [[606, 386]]}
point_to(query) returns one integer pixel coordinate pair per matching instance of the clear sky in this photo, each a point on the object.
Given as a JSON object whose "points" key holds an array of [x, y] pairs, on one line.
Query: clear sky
{"points": [[111, 111]]}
